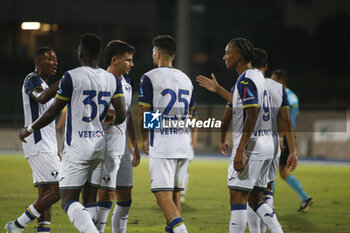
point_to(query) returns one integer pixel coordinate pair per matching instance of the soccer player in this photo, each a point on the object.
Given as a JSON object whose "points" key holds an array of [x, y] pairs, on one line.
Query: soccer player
{"points": [[117, 167], [279, 113], [168, 92], [306, 201], [252, 137], [41, 149], [87, 90]]}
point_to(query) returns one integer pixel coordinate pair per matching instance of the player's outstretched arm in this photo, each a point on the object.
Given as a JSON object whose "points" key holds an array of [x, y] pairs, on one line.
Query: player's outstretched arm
{"points": [[144, 132], [43, 96], [248, 128], [213, 85], [225, 124], [48, 116], [287, 129], [133, 141], [119, 106]]}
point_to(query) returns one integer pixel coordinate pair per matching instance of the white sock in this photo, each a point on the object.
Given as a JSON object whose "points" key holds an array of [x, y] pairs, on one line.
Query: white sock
{"points": [[103, 209], [253, 220], [269, 217], [178, 225], [238, 220], [120, 216], [92, 209], [44, 226], [268, 198], [80, 217], [28, 216]]}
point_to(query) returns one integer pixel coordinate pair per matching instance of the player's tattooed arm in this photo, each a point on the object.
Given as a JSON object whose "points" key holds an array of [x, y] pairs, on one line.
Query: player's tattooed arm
{"points": [[132, 137], [144, 132], [248, 128], [119, 106], [225, 124], [48, 116], [43, 96], [286, 128]]}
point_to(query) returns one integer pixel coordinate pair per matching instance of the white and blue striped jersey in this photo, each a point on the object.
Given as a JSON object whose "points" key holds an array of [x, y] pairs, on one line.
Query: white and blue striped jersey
{"points": [[279, 100], [89, 92], [170, 91], [250, 91], [43, 140], [117, 135]]}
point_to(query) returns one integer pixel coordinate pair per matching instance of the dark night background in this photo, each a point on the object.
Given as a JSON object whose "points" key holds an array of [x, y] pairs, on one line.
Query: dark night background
{"points": [[308, 38]]}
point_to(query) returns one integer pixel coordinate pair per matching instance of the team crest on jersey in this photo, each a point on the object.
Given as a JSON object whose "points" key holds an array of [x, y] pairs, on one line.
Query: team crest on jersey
{"points": [[151, 120]]}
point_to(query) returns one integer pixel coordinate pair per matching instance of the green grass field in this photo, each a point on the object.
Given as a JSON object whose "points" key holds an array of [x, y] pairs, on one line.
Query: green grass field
{"points": [[207, 206]]}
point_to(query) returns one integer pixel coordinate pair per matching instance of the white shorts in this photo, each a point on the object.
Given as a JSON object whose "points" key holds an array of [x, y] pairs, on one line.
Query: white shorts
{"points": [[117, 172], [255, 175], [168, 174], [271, 176], [75, 173], [45, 168]]}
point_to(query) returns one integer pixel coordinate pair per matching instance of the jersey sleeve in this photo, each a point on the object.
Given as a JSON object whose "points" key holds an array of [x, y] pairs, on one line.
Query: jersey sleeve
{"points": [[65, 88], [31, 82], [146, 92], [228, 104], [285, 102], [248, 93], [119, 90]]}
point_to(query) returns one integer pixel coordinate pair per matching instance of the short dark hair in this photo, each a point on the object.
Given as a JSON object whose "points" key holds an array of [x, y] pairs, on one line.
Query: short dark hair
{"points": [[92, 44], [245, 48], [117, 48], [260, 58], [281, 74], [41, 51], [166, 43]]}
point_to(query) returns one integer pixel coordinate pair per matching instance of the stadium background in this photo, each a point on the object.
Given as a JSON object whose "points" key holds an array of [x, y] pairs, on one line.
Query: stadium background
{"points": [[308, 38]]}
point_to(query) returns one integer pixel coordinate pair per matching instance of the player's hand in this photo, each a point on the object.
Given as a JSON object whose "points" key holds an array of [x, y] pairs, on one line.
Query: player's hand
{"points": [[23, 134], [224, 147], [292, 161], [207, 83], [110, 116], [239, 161], [145, 145], [194, 144], [135, 157]]}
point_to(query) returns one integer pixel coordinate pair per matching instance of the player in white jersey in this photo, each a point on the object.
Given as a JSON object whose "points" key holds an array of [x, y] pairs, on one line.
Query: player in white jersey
{"points": [[41, 149], [281, 122], [117, 176], [168, 93], [87, 92], [252, 137]]}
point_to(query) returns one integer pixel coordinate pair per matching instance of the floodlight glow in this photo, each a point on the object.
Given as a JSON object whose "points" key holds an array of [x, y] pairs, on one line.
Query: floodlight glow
{"points": [[30, 25], [45, 27]]}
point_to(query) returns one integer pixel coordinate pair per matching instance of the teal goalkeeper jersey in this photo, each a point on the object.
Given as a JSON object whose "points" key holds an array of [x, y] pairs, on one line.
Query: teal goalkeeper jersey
{"points": [[294, 106]]}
